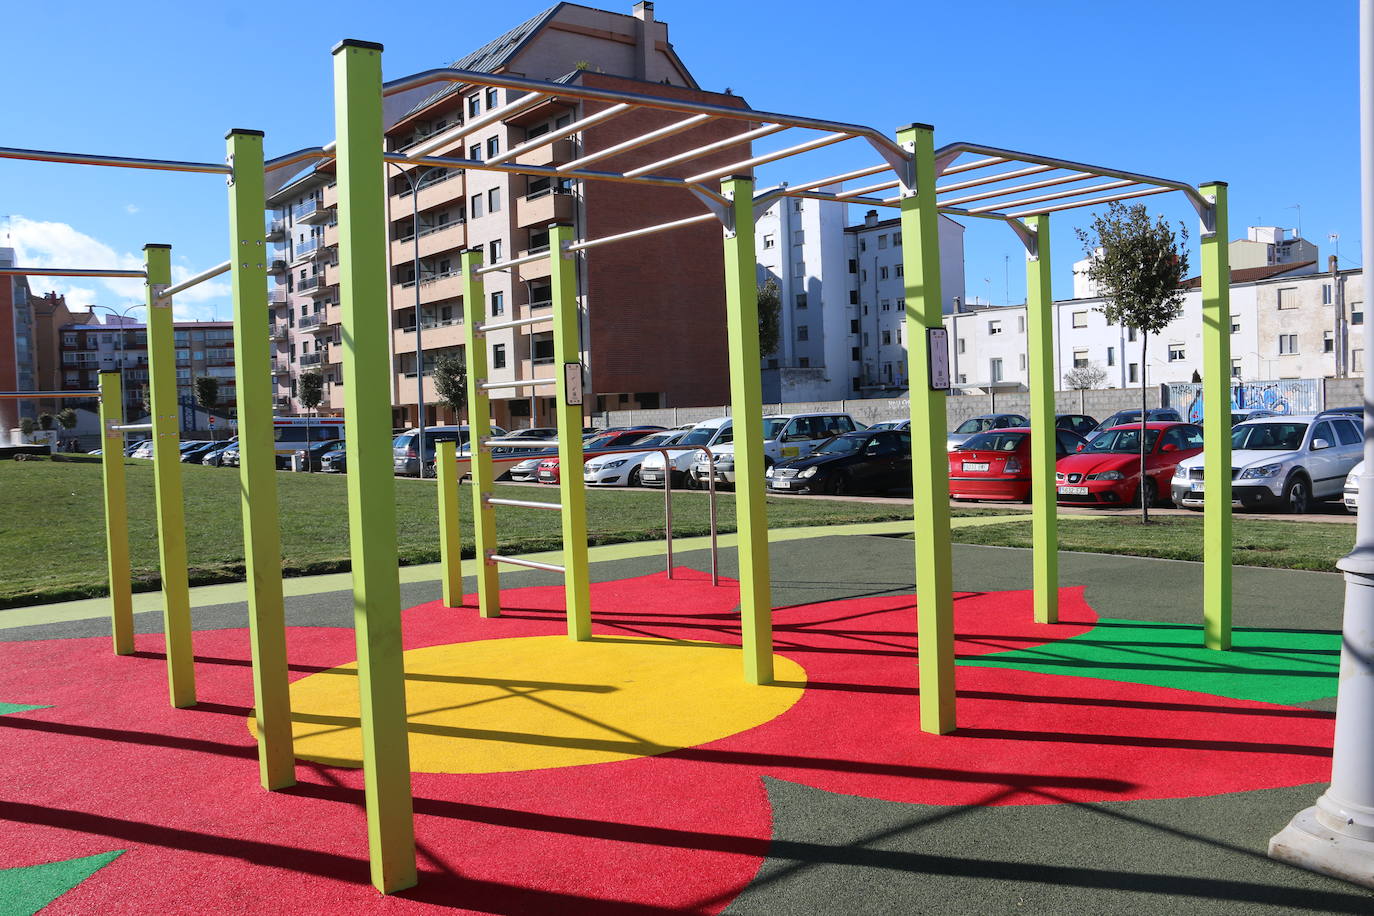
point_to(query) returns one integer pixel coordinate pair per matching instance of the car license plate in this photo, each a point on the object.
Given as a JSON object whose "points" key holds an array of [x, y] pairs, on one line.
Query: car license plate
{"points": [[975, 465], [782, 484], [1073, 491], [1197, 486], [648, 475]]}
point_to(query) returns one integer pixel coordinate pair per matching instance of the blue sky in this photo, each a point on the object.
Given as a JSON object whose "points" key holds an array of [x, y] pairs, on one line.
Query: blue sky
{"points": [[1258, 93]]}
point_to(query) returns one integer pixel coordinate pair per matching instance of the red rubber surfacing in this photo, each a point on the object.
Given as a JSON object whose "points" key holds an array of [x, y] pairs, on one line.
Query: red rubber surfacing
{"points": [[110, 765]]}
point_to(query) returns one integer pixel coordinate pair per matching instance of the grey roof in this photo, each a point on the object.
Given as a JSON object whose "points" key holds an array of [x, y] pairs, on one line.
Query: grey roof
{"points": [[493, 55]]}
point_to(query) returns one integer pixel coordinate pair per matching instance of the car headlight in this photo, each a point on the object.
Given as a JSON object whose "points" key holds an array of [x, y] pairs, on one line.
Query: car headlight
{"points": [[1180, 473], [809, 472], [614, 464], [1107, 475], [769, 471], [1261, 472], [725, 463], [1352, 480]]}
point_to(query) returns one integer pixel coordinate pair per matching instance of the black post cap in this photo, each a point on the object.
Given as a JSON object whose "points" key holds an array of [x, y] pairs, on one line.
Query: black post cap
{"points": [[917, 125], [244, 132], [155, 245], [356, 43]]}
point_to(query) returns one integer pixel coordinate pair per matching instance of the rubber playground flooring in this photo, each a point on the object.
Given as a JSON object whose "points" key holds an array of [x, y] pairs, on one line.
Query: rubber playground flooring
{"points": [[1105, 764]]}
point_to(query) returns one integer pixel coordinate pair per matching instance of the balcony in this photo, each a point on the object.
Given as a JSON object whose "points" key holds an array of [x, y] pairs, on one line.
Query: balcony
{"points": [[329, 197], [433, 239], [433, 288], [276, 332], [280, 367], [555, 153], [312, 286], [300, 212], [276, 230], [432, 194], [278, 266], [320, 215], [313, 360], [313, 323], [276, 296], [281, 403], [551, 205], [307, 249]]}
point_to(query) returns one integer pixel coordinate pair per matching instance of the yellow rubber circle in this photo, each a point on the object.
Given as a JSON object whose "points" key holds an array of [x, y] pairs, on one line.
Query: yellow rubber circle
{"points": [[531, 703]]}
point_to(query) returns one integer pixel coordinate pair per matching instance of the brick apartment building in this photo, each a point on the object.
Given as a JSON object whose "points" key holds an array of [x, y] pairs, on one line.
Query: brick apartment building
{"points": [[653, 317]]}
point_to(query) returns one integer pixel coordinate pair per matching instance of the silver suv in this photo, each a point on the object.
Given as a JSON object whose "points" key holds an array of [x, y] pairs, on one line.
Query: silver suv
{"points": [[1281, 463]]}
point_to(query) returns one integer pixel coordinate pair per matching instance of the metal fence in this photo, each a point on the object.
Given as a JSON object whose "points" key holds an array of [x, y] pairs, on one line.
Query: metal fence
{"points": [[1282, 396]]}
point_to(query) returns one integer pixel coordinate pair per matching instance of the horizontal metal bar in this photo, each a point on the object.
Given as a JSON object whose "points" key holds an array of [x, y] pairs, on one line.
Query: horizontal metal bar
{"points": [[66, 272], [1058, 195], [825, 195], [1017, 189], [969, 166], [478, 78], [124, 162], [513, 323], [549, 170], [747, 137], [652, 136], [841, 178], [869, 189], [521, 383], [523, 504], [993, 179], [744, 165], [1090, 203], [1194, 195], [530, 564], [513, 262], [25, 395], [198, 279], [299, 156], [647, 230], [133, 426], [557, 134], [457, 131]]}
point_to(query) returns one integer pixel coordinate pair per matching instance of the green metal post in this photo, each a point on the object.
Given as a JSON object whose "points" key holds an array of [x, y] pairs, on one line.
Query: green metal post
{"points": [[567, 355], [746, 411], [1216, 432], [257, 461], [1040, 359], [929, 460], [479, 429], [116, 511], [363, 285], [171, 512], [450, 535]]}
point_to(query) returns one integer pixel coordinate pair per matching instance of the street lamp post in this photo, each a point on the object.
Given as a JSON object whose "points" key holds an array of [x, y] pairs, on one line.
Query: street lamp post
{"points": [[123, 316], [415, 178]]}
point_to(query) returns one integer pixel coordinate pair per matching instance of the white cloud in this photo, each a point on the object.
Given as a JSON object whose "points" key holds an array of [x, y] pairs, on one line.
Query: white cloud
{"points": [[130, 208], [52, 244]]}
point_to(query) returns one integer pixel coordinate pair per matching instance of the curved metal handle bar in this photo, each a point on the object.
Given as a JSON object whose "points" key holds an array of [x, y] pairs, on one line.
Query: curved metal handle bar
{"points": [[126, 162], [67, 272]]}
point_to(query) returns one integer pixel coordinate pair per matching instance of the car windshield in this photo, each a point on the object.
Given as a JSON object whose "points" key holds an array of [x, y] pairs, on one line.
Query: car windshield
{"points": [[657, 439], [842, 445], [700, 436], [995, 442], [976, 425], [772, 427], [1268, 437], [1123, 440]]}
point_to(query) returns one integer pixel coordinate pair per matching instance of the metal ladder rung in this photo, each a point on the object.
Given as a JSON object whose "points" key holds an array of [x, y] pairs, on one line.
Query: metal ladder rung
{"points": [[530, 564], [523, 504]]}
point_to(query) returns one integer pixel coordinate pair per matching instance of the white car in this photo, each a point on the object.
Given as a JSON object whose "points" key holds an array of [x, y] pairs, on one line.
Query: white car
{"points": [[785, 436], [706, 433], [1351, 494], [1281, 463], [624, 470]]}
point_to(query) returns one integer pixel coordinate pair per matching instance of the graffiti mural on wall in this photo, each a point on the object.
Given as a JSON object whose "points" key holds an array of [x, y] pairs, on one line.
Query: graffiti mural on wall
{"points": [[1284, 396]]}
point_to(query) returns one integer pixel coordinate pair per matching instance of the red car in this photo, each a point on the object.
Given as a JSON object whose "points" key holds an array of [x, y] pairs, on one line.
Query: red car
{"points": [[547, 472], [996, 464], [1107, 471]]}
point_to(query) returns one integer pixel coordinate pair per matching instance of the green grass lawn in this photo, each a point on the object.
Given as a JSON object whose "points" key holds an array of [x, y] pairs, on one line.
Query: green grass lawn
{"points": [[52, 542], [1285, 544]]}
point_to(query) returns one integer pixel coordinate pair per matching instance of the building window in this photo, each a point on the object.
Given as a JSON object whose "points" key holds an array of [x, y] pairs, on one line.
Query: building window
{"points": [[1326, 294], [1111, 356], [492, 97], [1288, 344], [498, 303], [901, 270], [1235, 324], [475, 152], [1020, 324], [770, 241], [882, 273], [1357, 313], [474, 105], [994, 327], [498, 356], [901, 305], [855, 354], [493, 146], [1023, 362], [853, 266], [798, 237], [494, 250], [1357, 360], [494, 200], [853, 297], [801, 300], [1133, 372], [863, 245], [802, 332], [994, 370], [1080, 359], [853, 325], [1328, 342], [960, 344], [885, 304], [475, 206], [1235, 368], [882, 241], [1288, 297], [863, 275], [799, 269], [1176, 353], [887, 338], [1080, 319]]}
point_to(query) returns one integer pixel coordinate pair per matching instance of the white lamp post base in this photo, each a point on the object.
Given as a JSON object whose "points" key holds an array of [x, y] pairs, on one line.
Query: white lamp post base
{"points": [[1307, 843]]}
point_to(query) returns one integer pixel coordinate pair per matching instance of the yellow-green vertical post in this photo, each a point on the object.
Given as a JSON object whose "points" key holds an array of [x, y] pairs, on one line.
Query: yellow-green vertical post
{"points": [[1216, 432], [746, 412], [257, 461], [116, 511], [479, 430], [929, 460], [450, 535], [567, 355], [171, 510], [1040, 362], [366, 324]]}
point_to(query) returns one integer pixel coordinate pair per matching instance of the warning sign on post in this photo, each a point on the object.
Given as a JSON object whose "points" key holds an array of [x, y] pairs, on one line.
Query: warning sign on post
{"points": [[937, 342], [572, 383]]}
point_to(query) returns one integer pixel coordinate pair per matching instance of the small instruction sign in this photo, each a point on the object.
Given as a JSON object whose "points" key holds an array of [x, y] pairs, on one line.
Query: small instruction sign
{"points": [[937, 340], [572, 384]]}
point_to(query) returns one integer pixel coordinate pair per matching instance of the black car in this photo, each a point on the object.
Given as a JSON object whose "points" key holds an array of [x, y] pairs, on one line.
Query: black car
{"points": [[196, 453], [1079, 423], [334, 460], [863, 461], [1123, 417], [310, 458]]}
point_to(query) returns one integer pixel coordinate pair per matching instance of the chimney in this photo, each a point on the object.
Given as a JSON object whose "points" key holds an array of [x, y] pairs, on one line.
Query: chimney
{"points": [[871, 218], [644, 38]]}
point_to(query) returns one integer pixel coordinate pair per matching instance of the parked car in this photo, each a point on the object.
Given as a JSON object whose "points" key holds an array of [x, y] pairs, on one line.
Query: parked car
{"points": [[1107, 471], [229, 456], [892, 424], [215, 456], [405, 448], [1241, 415], [862, 461], [527, 469], [785, 436], [997, 464], [311, 458], [653, 470], [135, 445], [196, 454], [1078, 423], [143, 450], [1282, 463], [1350, 495], [975, 425], [548, 471], [1122, 417], [623, 470]]}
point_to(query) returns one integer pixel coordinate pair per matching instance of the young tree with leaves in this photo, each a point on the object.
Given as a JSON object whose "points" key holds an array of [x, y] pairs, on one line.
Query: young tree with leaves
{"points": [[66, 421], [1138, 265], [207, 395], [310, 392], [451, 382], [770, 317]]}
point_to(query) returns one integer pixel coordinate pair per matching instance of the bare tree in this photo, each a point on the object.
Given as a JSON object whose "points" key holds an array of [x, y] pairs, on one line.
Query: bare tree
{"points": [[1089, 376]]}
